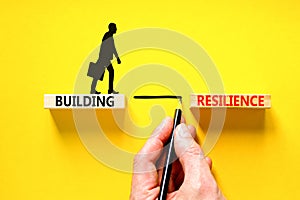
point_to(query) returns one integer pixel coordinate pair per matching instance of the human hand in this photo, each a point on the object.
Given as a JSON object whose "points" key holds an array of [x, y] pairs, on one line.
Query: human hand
{"points": [[118, 60], [191, 177]]}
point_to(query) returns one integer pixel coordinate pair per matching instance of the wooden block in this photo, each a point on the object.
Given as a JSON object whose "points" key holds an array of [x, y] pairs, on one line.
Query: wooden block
{"points": [[75, 101], [230, 100]]}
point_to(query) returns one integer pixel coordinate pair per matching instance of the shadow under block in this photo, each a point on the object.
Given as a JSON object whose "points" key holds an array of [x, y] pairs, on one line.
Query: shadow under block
{"points": [[236, 119]]}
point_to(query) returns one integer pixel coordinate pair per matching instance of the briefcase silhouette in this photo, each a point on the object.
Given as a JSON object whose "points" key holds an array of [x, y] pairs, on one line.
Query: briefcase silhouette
{"points": [[96, 70]]}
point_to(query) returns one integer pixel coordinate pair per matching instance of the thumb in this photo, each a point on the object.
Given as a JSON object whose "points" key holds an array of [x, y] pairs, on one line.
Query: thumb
{"points": [[189, 152]]}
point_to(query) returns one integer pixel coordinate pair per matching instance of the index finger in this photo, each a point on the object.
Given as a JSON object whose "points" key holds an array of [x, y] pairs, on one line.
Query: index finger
{"points": [[158, 138], [146, 158]]}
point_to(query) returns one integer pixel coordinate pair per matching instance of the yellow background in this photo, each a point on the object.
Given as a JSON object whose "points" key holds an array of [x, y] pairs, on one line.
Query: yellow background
{"points": [[255, 45]]}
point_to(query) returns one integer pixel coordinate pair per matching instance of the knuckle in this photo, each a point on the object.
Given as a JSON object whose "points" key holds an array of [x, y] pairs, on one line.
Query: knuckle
{"points": [[194, 150], [137, 158], [137, 161], [209, 186]]}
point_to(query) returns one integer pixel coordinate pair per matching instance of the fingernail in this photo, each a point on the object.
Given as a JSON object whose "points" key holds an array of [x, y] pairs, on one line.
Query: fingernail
{"points": [[183, 131], [163, 123]]}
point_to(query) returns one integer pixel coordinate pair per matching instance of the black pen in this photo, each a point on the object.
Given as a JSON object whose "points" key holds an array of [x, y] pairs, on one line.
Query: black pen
{"points": [[170, 157]]}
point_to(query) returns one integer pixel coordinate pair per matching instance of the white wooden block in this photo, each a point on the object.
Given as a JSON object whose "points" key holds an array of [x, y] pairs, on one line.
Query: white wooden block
{"points": [[230, 100], [75, 101]]}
